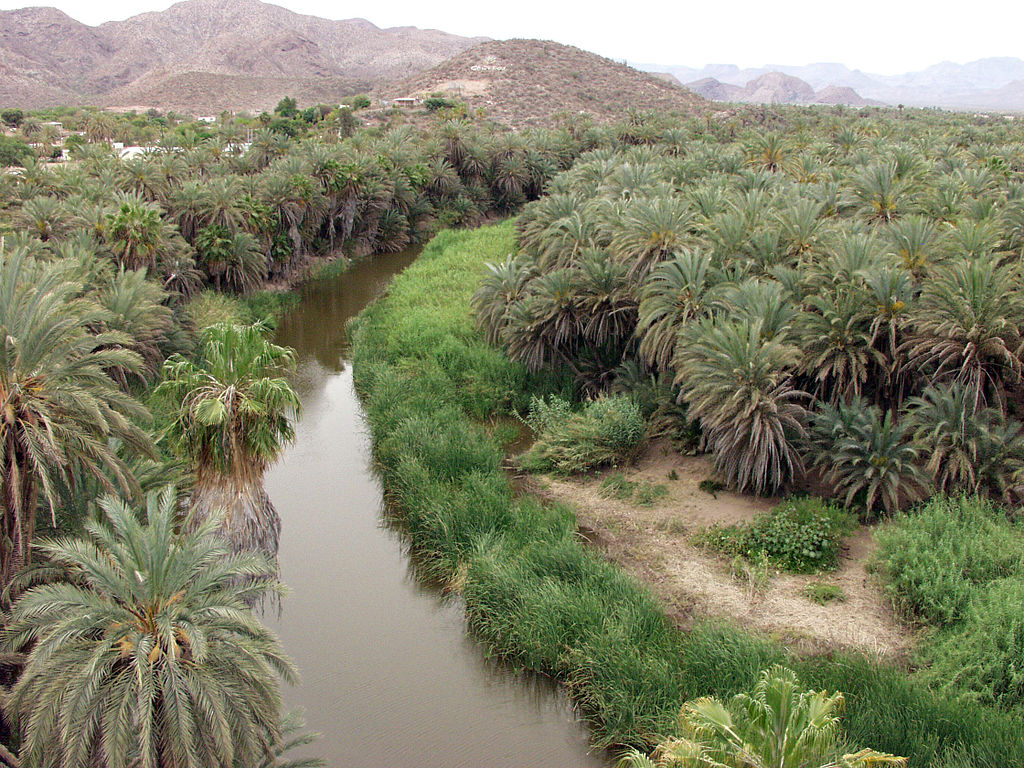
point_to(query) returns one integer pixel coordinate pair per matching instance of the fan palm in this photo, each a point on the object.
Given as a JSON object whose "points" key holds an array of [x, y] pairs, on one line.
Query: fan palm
{"points": [[778, 725], [135, 234], [144, 652], [58, 405], [233, 418]]}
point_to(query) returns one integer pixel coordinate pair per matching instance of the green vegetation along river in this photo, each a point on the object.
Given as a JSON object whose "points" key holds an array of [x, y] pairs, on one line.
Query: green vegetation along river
{"points": [[389, 676]]}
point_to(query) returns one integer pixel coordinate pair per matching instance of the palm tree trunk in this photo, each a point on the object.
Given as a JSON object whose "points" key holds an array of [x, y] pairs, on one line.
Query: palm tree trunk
{"points": [[249, 520]]}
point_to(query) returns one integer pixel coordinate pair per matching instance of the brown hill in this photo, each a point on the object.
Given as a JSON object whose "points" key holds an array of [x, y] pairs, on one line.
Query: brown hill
{"points": [[526, 82], [835, 94], [206, 93], [715, 90], [777, 88], [47, 57]]}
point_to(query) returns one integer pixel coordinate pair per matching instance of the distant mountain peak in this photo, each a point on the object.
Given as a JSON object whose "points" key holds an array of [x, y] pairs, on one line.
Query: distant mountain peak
{"points": [[983, 83]]}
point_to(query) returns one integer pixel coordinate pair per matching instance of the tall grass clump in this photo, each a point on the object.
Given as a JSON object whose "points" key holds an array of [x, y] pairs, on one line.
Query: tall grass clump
{"points": [[935, 558], [957, 567], [605, 432], [533, 594]]}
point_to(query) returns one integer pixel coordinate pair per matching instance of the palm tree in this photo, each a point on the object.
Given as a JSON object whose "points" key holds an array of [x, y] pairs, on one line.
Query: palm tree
{"points": [[968, 327], [967, 449], [778, 725], [136, 308], [293, 735], [918, 242], [544, 328], [503, 285], [233, 418], [144, 652], [674, 294], [135, 234], [650, 231], [737, 385], [45, 217], [768, 152], [867, 457], [59, 408], [835, 337], [879, 192]]}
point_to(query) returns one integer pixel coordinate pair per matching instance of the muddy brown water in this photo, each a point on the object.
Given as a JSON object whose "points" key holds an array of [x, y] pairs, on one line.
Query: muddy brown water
{"points": [[390, 677]]}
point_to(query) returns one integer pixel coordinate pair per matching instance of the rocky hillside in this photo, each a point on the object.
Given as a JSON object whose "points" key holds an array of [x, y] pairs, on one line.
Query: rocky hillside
{"points": [[239, 53], [777, 88], [525, 82]]}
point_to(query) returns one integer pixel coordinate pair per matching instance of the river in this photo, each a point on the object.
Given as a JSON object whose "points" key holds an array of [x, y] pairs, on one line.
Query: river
{"points": [[390, 677]]}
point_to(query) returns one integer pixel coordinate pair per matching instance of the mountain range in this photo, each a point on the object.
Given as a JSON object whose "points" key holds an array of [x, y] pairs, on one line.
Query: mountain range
{"points": [[231, 54], [992, 83], [204, 56]]}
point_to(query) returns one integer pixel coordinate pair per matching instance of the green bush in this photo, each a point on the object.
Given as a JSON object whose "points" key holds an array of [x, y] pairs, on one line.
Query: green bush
{"points": [[934, 559], [983, 658], [13, 151], [606, 432], [801, 535], [269, 306], [435, 103]]}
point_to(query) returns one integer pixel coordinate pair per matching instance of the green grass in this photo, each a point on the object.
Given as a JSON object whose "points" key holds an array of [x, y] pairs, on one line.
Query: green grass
{"points": [[210, 307], [956, 565], [616, 486], [821, 593], [533, 594]]}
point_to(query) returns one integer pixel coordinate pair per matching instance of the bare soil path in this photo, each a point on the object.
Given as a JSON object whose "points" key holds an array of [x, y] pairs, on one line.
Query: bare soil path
{"points": [[652, 542]]}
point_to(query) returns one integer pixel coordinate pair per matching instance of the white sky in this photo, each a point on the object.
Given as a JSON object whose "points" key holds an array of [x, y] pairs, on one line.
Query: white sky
{"points": [[882, 36]]}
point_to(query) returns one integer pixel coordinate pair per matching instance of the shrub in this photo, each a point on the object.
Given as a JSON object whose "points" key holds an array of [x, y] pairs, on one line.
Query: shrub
{"points": [[801, 535], [606, 432], [934, 559], [823, 594], [983, 658], [434, 103], [13, 151]]}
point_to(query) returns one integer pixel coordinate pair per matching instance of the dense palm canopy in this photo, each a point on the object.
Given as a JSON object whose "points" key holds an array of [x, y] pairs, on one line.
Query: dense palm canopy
{"points": [[884, 260], [143, 651], [60, 409]]}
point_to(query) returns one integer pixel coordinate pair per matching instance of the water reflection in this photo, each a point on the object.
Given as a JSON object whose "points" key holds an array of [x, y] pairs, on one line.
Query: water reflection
{"points": [[390, 677]]}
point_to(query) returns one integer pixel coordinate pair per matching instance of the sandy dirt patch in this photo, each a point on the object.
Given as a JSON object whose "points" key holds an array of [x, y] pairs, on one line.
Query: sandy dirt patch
{"points": [[652, 542]]}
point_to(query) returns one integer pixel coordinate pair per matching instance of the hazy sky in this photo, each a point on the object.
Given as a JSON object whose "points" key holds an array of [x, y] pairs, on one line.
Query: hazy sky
{"points": [[885, 36]]}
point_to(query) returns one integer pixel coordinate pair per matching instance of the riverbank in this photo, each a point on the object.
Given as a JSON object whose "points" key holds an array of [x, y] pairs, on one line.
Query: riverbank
{"points": [[534, 594]]}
